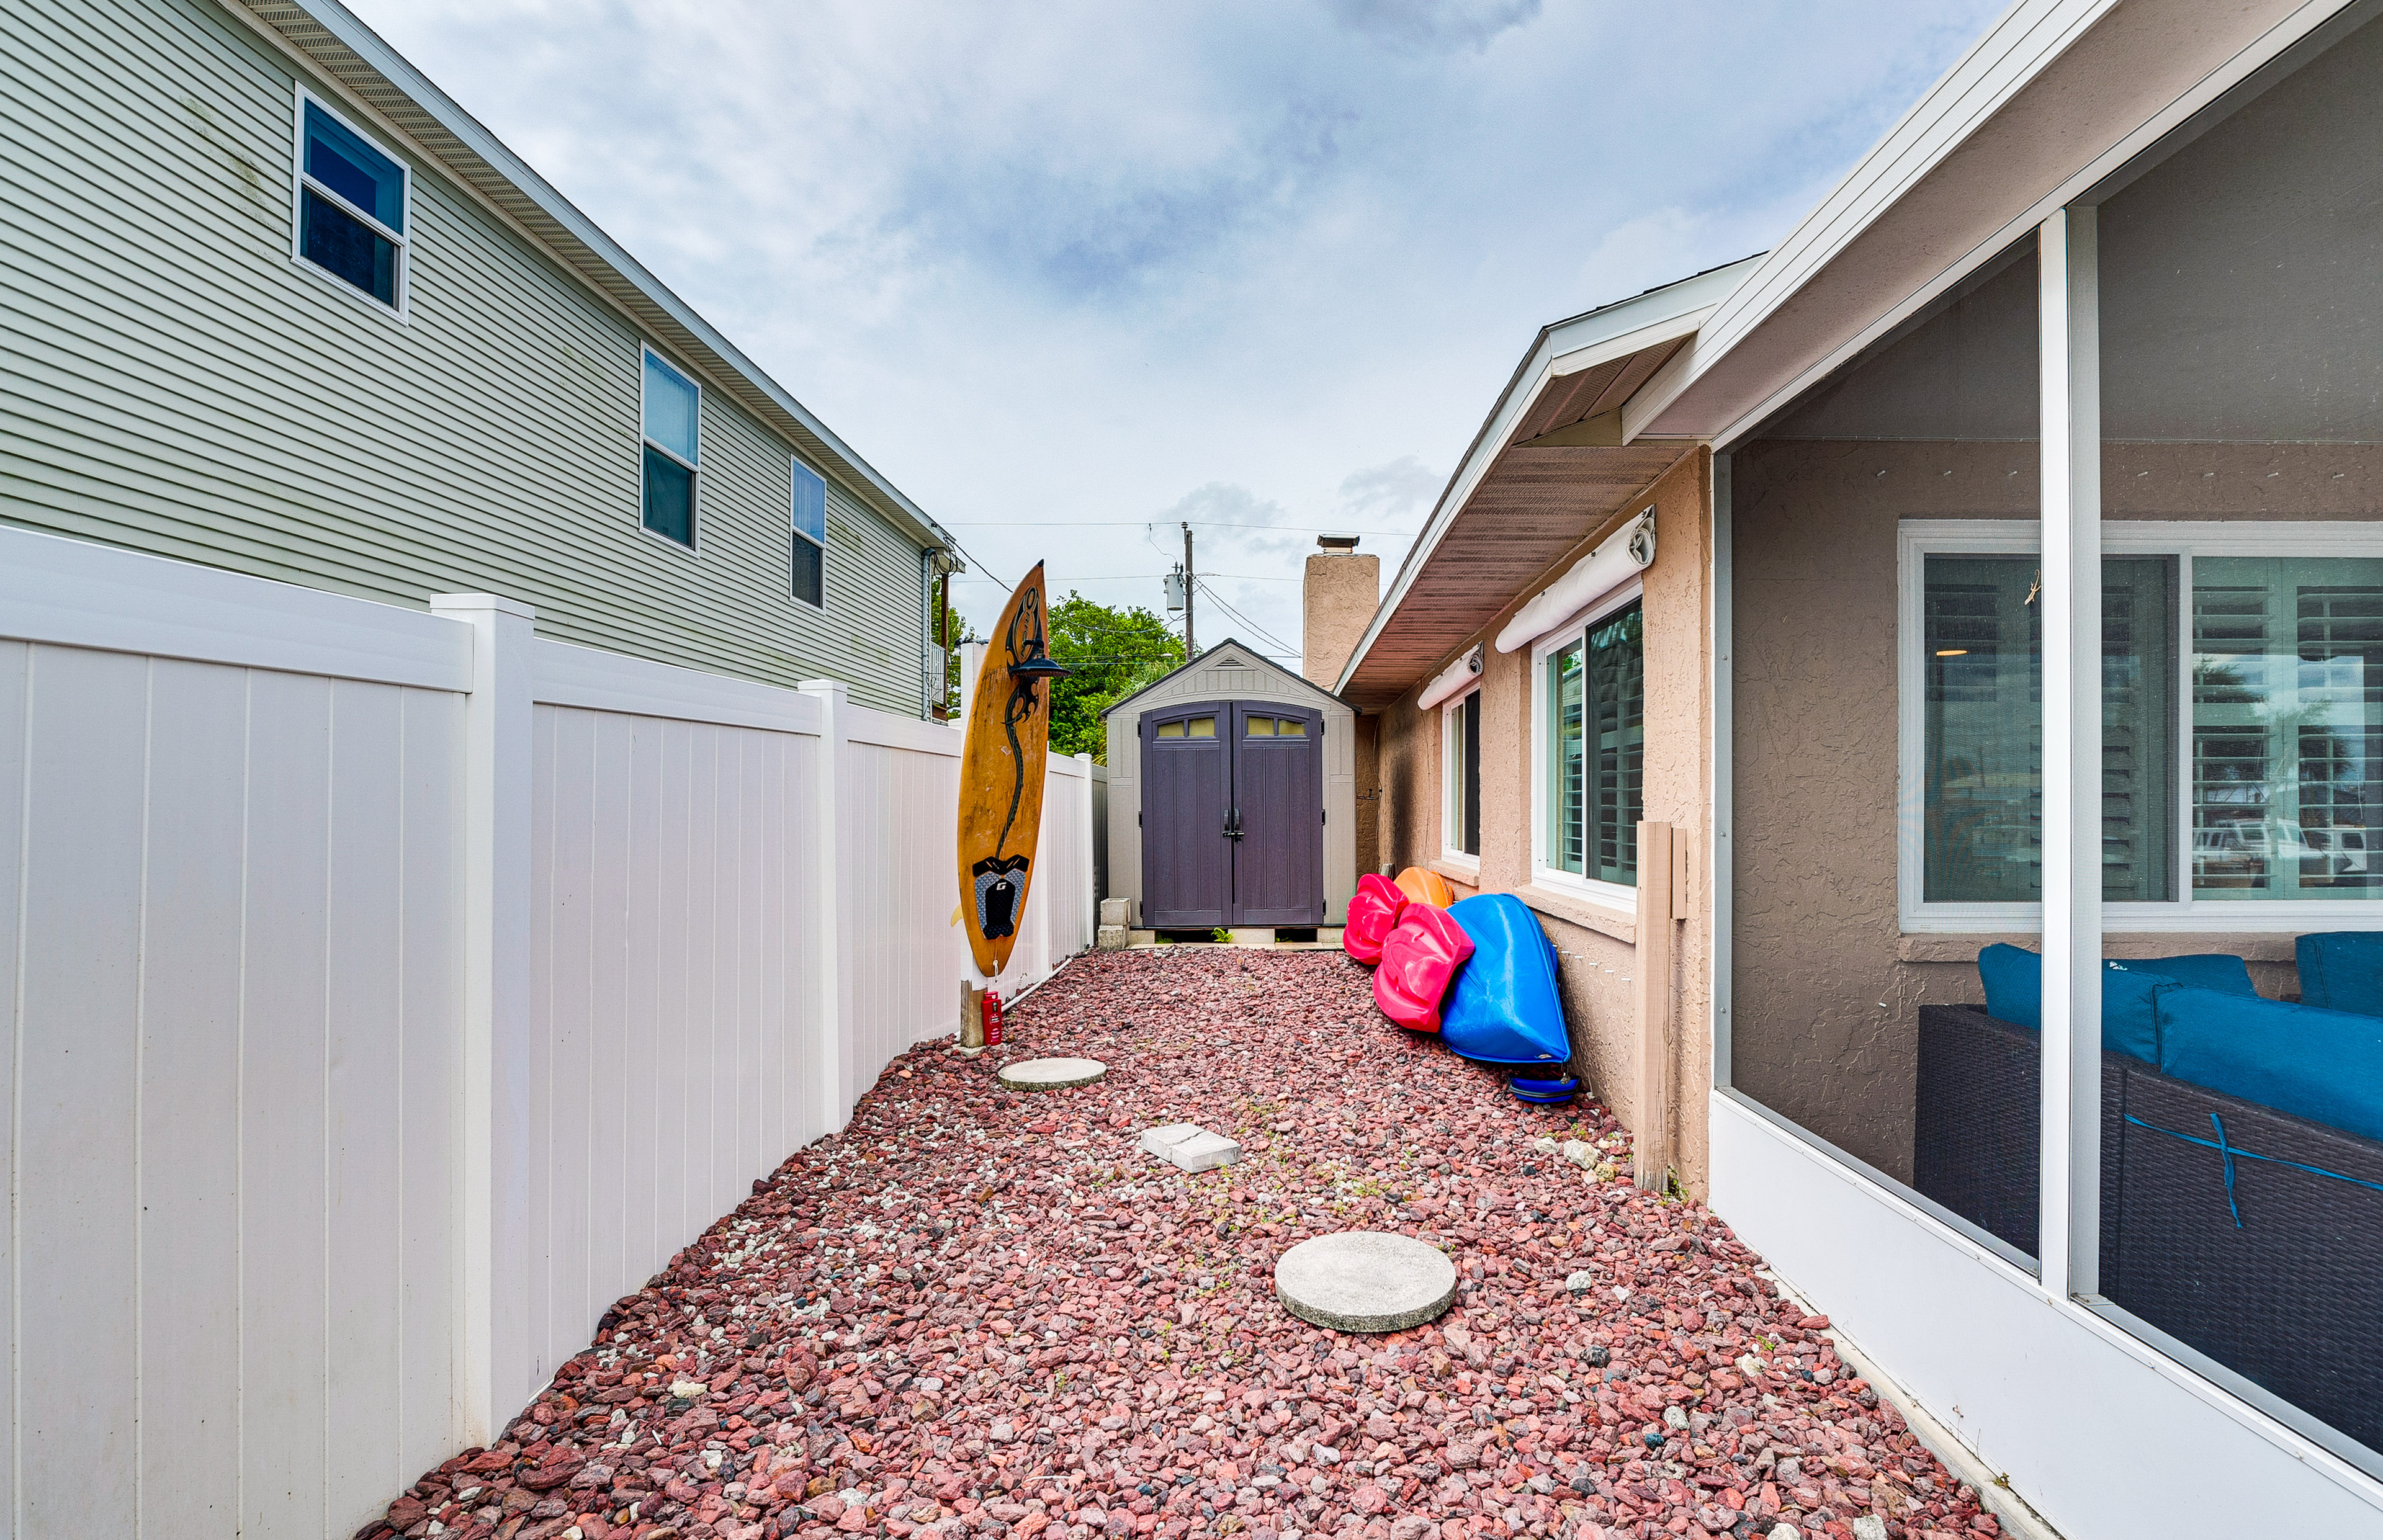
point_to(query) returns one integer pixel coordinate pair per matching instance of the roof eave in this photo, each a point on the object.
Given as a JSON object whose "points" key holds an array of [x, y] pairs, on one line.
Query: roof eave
{"points": [[1657, 318], [2107, 80]]}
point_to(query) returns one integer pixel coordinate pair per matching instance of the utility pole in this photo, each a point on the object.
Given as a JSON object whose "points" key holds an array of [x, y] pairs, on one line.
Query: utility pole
{"points": [[1190, 647]]}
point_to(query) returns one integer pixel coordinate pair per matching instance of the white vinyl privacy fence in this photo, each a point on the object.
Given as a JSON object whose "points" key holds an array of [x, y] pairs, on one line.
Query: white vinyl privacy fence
{"points": [[390, 992]]}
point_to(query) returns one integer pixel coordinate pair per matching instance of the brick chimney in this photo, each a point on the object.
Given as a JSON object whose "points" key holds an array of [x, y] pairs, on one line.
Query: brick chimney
{"points": [[1338, 597]]}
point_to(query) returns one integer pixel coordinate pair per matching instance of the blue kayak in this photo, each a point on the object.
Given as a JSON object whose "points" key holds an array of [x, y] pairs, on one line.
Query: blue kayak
{"points": [[1502, 1008]]}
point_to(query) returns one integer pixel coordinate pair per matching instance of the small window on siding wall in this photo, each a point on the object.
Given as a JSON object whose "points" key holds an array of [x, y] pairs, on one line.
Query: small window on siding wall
{"points": [[352, 201], [671, 408], [809, 536]]}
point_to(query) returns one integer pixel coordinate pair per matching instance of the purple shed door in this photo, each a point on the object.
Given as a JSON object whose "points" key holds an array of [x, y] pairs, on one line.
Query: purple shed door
{"points": [[1187, 796], [1279, 807]]}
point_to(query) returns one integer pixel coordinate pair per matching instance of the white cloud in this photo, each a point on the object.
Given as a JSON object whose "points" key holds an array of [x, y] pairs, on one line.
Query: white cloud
{"points": [[1383, 496], [1434, 26], [1068, 264]]}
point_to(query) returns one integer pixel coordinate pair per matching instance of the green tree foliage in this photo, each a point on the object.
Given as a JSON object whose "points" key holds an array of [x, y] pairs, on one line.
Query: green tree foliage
{"points": [[1114, 652]]}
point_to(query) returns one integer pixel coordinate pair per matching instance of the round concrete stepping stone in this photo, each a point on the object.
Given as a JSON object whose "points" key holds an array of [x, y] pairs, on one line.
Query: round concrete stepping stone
{"points": [[1051, 1074], [1364, 1281]]}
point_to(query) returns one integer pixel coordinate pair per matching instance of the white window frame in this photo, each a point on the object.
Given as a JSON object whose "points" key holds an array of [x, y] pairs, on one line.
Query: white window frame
{"points": [[401, 312], [693, 545], [798, 469], [1620, 899], [1452, 810], [1916, 540]]}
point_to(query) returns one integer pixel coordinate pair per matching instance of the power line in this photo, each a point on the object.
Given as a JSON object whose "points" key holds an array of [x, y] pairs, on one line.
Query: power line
{"points": [[1144, 577], [1199, 524], [1287, 650]]}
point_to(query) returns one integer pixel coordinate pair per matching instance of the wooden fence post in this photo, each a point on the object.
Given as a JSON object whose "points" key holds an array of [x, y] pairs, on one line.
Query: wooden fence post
{"points": [[1651, 1147]]}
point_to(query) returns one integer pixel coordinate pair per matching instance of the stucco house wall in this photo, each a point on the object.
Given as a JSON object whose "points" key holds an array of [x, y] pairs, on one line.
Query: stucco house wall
{"points": [[1597, 948], [1826, 988]]}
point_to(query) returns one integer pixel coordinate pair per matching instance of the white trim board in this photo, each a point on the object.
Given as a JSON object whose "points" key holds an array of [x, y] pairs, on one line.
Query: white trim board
{"points": [[56, 589], [2095, 1428]]}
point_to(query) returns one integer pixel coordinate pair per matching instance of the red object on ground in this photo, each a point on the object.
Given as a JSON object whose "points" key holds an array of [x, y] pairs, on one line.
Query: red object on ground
{"points": [[1420, 957], [1373, 915], [992, 1020]]}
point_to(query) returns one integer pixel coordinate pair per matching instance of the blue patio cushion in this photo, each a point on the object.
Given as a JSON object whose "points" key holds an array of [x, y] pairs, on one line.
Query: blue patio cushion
{"points": [[2342, 970], [2014, 980], [2325, 1065]]}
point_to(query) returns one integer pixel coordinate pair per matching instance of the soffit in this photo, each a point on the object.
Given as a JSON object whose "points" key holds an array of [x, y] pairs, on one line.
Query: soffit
{"points": [[1602, 388], [1511, 508], [329, 38], [1534, 507]]}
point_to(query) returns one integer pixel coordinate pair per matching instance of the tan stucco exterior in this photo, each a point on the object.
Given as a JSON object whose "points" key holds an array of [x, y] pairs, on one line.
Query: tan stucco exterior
{"points": [[1826, 990], [1596, 949], [1338, 593]]}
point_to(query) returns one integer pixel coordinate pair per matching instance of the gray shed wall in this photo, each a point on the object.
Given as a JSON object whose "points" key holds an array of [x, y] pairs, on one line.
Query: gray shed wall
{"points": [[1211, 678]]}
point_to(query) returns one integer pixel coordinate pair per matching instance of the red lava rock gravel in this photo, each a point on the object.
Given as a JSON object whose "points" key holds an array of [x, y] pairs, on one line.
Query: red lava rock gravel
{"points": [[981, 1313]]}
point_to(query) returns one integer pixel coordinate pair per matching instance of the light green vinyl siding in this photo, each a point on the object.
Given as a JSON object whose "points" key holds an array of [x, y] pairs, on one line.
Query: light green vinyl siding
{"points": [[176, 383]]}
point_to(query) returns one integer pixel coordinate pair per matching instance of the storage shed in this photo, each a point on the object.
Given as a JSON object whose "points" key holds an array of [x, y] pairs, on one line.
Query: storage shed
{"points": [[1233, 797]]}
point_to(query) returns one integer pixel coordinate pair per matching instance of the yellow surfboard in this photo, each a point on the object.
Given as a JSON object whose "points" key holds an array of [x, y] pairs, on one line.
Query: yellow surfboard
{"points": [[1001, 775]]}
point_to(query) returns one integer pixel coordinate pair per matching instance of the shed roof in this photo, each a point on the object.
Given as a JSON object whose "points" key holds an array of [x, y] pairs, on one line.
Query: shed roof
{"points": [[1208, 658], [335, 42]]}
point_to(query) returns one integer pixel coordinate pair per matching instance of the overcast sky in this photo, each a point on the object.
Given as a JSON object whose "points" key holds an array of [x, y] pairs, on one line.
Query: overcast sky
{"points": [[1058, 264]]}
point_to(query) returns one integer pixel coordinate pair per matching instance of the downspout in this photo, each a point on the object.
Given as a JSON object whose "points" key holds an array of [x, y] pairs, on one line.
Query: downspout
{"points": [[927, 633], [934, 653]]}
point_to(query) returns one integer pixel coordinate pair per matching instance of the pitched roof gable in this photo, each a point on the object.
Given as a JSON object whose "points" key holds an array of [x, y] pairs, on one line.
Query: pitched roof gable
{"points": [[1248, 656]]}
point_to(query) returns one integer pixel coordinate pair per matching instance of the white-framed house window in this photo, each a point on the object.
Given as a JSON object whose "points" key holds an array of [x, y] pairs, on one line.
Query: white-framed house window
{"points": [[670, 411], [1460, 737], [350, 201], [809, 583], [1588, 696], [2241, 726]]}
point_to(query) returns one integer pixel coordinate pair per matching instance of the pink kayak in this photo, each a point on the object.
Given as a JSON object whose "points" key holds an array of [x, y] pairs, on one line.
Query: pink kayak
{"points": [[1420, 957], [1373, 915]]}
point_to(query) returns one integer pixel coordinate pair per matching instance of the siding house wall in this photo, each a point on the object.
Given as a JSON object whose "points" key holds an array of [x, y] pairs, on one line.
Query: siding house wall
{"points": [[177, 384]]}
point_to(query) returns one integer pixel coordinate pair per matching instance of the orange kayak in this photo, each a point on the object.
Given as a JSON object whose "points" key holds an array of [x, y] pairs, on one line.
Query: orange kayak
{"points": [[1427, 887]]}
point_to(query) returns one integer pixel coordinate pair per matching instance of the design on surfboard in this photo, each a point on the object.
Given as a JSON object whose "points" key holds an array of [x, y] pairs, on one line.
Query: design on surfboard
{"points": [[999, 880], [1026, 625]]}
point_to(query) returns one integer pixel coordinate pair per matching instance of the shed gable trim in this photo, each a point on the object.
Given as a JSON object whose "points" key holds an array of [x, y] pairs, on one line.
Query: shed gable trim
{"points": [[1210, 658]]}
